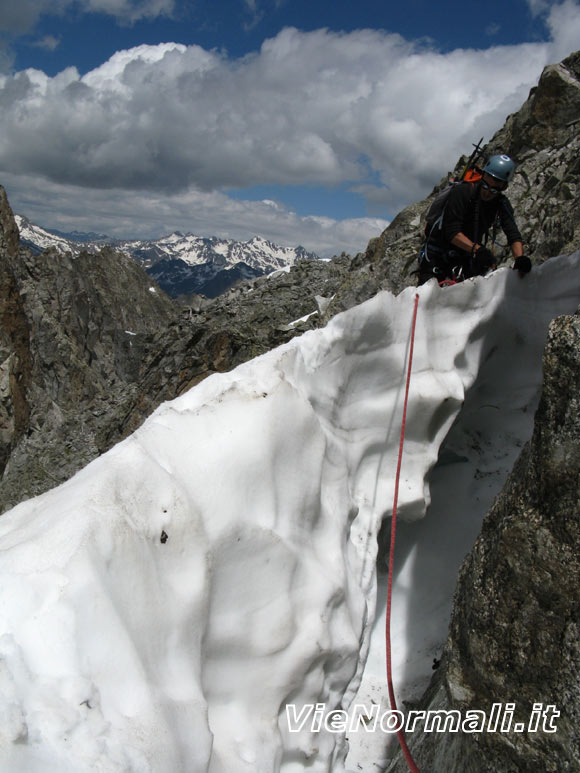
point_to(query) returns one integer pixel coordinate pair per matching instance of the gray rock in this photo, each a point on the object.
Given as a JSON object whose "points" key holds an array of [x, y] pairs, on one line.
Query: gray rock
{"points": [[515, 627], [9, 236], [73, 334]]}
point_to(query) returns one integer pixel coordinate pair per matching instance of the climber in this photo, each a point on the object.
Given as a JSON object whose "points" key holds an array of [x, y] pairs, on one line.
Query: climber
{"points": [[455, 247]]}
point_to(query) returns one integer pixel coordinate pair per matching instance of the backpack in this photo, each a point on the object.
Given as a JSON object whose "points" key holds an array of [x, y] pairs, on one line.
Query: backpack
{"points": [[435, 213], [433, 255]]}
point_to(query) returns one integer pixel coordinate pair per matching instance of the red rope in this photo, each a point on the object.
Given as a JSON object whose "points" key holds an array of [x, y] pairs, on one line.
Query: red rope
{"points": [[400, 734]]}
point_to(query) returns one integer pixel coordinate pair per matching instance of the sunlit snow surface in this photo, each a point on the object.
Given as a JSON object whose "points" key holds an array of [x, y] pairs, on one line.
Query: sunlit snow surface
{"points": [[160, 610]]}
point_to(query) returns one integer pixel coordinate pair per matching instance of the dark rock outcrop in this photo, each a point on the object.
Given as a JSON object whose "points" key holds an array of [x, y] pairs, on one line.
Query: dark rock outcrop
{"points": [[15, 357], [515, 627], [73, 333], [544, 137], [242, 324]]}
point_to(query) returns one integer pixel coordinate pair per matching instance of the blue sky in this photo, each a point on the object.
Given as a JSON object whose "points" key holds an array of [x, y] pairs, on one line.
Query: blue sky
{"points": [[85, 40], [304, 122]]}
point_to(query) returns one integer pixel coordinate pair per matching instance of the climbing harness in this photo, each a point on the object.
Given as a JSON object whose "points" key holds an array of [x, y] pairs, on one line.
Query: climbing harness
{"points": [[400, 734]]}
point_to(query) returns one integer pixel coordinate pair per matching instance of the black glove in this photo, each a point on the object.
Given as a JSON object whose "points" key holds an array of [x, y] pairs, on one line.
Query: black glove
{"points": [[523, 264], [482, 260]]}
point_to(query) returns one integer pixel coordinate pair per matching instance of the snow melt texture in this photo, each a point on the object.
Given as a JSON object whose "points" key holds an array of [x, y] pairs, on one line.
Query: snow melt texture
{"points": [[159, 610]]}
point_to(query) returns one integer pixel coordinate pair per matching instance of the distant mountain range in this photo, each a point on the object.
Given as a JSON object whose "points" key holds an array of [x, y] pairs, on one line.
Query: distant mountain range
{"points": [[181, 263]]}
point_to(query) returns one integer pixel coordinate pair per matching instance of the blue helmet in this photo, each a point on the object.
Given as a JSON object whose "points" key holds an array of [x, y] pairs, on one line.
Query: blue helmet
{"points": [[500, 167]]}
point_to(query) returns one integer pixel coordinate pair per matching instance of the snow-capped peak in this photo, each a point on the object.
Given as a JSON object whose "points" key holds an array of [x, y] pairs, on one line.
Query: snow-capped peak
{"points": [[257, 252], [38, 239]]}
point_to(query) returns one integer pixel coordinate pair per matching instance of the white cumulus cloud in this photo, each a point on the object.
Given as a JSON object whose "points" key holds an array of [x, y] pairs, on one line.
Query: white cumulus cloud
{"points": [[563, 21], [318, 107], [368, 110]]}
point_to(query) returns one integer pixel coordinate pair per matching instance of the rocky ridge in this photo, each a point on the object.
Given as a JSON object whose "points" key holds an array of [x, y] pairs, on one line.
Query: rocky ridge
{"points": [[181, 264], [73, 334], [543, 137]]}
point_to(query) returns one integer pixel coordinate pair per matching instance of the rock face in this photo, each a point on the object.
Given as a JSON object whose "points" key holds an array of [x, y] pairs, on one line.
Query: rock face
{"points": [[215, 337], [15, 361], [73, 333], [543, 137], [515, 628]]}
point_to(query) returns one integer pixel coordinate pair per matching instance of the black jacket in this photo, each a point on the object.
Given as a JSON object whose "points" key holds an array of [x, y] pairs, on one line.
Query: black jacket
{"points": [[467, 213]]}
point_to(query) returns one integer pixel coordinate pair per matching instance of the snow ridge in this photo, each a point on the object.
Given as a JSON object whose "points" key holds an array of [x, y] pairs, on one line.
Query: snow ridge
{"points": [[161, 608], [260, 254]]}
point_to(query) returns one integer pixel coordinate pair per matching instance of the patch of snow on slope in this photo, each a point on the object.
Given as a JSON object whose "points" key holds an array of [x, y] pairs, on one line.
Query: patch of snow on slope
{"points": [[159, 610], [42, 239]]}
